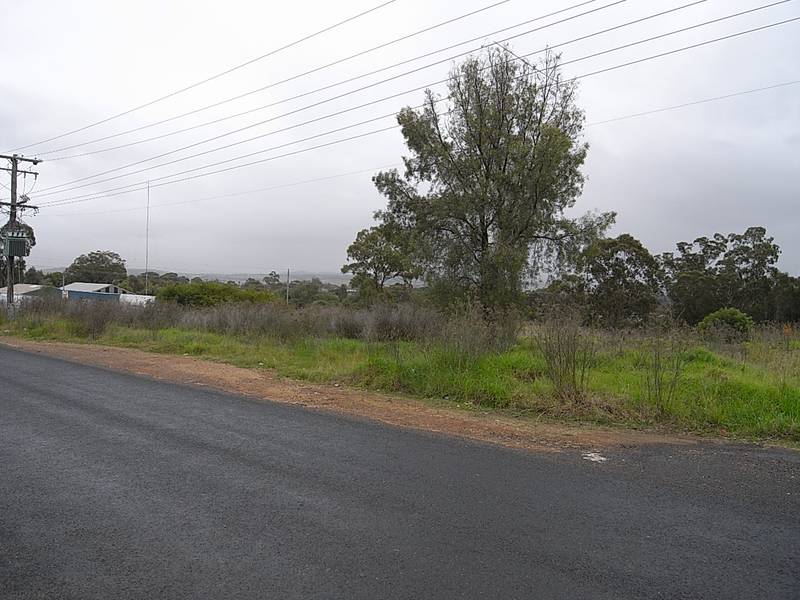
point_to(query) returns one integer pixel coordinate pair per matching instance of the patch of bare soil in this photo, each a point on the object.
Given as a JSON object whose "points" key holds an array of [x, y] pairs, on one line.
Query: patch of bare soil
{"points": [[393, 410]]}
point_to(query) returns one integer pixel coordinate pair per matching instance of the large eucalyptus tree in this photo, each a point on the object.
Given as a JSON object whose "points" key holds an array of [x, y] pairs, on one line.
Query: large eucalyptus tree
{"points": [[493, 167]]}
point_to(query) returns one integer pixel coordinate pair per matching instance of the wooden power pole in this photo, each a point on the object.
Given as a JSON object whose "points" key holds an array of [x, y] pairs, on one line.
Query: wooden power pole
{"points": [[14, 205]]}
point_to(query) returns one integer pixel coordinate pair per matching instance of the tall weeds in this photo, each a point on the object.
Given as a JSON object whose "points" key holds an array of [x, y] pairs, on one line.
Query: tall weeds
{"points": [[568, 352], [664, 359], [465, 332]]}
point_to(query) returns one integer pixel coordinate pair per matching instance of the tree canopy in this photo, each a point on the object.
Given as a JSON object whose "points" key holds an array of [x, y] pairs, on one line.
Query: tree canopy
{"points": [[622, 281], [100, 266], [734, 270], [491, 171], [210, 293], [379, 254]]}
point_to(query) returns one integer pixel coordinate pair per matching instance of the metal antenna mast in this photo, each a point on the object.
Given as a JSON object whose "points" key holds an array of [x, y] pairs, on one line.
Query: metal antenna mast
{"points": [[147, 244]]}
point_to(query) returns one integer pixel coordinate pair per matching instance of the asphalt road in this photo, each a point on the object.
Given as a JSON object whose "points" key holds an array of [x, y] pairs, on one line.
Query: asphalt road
{"points": [[114, 486]]}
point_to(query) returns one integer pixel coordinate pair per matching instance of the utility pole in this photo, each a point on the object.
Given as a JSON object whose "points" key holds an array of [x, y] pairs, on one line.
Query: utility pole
{"points": [[287, 286], [13, 205], [147, 243]]}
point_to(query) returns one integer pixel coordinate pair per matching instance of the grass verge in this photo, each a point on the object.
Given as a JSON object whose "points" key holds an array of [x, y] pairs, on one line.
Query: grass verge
{"points": [[716, 394]]}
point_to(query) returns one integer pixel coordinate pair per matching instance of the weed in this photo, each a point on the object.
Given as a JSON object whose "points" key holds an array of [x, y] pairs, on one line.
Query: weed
{"points": [[568, 353]]}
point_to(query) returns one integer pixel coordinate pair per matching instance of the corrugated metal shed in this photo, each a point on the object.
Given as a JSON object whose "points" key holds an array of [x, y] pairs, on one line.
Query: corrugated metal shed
{"points": [[28, 290], [81, 295], [136, 298], [104, 288]]}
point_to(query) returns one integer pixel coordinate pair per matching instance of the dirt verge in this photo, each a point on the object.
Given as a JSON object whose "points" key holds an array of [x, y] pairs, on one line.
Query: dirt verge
{"points": [[390, 409]]}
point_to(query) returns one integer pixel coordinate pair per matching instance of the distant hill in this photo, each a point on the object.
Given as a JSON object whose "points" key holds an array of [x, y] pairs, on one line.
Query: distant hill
{"points": [[324, 276]]}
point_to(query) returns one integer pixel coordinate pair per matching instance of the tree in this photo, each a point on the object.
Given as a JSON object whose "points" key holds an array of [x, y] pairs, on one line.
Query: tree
{"points": [[622, 281], [748, 272], [97, 267], [303, 293], [272, 279], [254, 284], [786, 299], [489, 175], [735, 270], [55, 278], [210, 293], [379, 254], [33, 276]]}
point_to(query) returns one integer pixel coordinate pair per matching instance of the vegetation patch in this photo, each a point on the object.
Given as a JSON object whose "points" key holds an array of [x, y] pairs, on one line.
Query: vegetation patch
{"points": [[672, 379]]}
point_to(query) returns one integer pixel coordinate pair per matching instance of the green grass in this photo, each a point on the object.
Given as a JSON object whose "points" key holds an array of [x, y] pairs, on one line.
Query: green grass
{"points": [[756, 398]]}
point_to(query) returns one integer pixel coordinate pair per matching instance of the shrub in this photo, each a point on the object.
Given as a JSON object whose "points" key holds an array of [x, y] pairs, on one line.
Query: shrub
{"points": [[568, 353], [726, 324], [271, 319], [211, 293], [664, 360], [90, 318], [467, 336], [402, 322], [199, 307], [348, 324]]}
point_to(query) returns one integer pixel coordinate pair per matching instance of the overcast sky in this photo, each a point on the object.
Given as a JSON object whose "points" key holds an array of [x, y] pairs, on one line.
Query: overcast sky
{"points": [[720, 166]]}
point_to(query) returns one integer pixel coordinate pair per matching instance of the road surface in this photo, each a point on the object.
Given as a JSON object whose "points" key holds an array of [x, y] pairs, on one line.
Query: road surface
{"points": [[116, 486]]}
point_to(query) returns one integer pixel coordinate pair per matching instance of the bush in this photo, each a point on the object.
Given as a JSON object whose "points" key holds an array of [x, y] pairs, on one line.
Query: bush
{"points": [[664, 360], [402, 322], [568, 353], [90, 318], [464, 332], [726, 324], [271, 319], [211, 293], [348, 324]]}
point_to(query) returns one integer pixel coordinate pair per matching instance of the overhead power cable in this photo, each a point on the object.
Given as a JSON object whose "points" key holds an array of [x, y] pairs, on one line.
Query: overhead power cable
{"points": [[262, 122], [693, 103], [257, 152], [234, 194], [373, 169], [213, 77], [47, 191], [84, 197], [54, 189], [316, 90], [123, 189]]}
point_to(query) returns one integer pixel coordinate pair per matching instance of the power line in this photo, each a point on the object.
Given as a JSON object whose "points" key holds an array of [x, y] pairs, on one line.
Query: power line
{"points": [[240, 157], [252, 125], [46, 191], [216, 76], [690, 47], [234, 194], [54, 189], [693, 103], [681, 30], [373, 169], [86, 197], [316, 90]]}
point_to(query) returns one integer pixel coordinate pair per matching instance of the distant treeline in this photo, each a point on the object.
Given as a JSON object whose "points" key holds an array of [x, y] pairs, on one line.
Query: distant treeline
{"points": [[611, 282]]}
